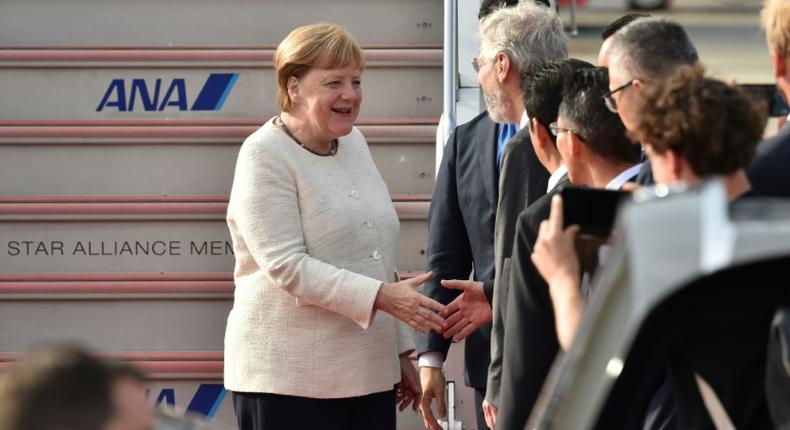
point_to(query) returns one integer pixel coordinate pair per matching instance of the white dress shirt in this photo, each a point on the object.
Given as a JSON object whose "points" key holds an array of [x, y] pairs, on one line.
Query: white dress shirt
{"points": [[556, 176], [622, 178]]}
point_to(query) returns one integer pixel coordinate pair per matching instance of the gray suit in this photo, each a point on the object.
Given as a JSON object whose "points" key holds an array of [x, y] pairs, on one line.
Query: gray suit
{"points": [[522, 180]]}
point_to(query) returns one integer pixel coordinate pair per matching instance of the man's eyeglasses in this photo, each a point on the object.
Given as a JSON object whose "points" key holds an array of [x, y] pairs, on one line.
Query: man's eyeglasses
{"points": [[610, 101], [476, 65], [556, 130]]}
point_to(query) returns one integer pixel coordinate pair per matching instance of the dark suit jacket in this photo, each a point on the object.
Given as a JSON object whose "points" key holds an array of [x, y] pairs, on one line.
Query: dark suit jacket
{"points": [[530, 341], [461, 224], [461, 232], [769, 174], [522, 181]]}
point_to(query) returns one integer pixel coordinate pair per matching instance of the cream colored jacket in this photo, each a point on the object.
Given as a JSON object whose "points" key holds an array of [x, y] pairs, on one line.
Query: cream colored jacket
{"points": [[314, 237]]}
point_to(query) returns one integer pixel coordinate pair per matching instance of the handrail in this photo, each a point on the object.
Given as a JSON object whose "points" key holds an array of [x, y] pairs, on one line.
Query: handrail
{"points": [[375, 57], [450, 67]]}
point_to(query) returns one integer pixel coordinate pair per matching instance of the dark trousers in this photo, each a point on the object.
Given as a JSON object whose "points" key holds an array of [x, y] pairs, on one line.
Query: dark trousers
{"points": [[261, 411]]}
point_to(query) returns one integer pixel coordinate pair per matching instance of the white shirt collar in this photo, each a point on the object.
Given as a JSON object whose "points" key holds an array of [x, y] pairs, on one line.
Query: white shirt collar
{"points": [[622, 178], [524, 121], [556, 176]]}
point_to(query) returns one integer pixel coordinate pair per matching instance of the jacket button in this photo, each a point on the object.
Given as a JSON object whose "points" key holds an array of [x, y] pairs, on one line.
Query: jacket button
{"points": [[354, 194], [376, 255]]}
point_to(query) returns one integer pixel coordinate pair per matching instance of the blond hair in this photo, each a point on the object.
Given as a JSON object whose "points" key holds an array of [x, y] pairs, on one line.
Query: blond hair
{"points": [[322, 46], [776, 21]]}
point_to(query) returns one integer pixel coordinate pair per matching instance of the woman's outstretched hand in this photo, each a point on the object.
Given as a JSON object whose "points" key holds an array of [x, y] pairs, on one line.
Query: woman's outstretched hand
{"points": [[408, 390], [404, 302]]}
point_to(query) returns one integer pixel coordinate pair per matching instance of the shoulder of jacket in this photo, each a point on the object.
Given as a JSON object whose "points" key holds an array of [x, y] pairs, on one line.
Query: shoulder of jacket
{"points": [[479, 120]]}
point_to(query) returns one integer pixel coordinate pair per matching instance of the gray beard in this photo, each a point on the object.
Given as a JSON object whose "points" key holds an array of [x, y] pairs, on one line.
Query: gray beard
{"points": [[496, 109]]}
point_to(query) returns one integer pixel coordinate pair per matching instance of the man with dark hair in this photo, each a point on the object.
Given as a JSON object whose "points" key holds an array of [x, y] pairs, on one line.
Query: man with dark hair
{"points": [[62, 387], [542, 96], [646, 50], [613, 28], [597, 153], [586, 122]]}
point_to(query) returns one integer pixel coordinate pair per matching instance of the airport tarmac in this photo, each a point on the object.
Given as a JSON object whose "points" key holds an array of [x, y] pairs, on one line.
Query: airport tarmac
{"points": [[729, 40]]}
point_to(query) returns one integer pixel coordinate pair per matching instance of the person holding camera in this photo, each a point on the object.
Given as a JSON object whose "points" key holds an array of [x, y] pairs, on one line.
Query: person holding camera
{"points": [[693, 128], [593, 146]]}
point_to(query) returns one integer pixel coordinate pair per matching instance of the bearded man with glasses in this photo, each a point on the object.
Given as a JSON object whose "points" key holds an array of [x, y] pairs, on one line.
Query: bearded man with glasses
{"points": [[480, 163]]}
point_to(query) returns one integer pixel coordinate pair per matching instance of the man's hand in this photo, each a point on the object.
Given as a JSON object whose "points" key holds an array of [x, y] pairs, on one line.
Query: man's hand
{"points": [[555, 258], [489, 411], [467, 312], [554, 254], [432, 380]]}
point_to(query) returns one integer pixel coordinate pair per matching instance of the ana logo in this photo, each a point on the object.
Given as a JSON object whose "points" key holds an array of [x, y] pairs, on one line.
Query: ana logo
{"points": [[142, 97], [205, 402]]}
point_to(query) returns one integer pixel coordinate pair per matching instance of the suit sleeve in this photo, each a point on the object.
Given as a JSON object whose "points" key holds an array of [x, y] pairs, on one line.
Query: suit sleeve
{"points": [[449, 252], [488, 290], [530, 341], [405, 338], [497, 334]]}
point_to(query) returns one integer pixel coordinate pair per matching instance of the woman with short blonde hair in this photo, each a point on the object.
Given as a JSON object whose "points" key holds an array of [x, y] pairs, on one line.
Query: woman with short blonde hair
{"points": [[315, 238]]}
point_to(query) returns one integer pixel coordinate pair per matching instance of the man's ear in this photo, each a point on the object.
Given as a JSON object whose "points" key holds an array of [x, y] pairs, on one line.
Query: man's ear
{"points": [[678, 164], [503, 66], [637, 83], [780, 64], [293, 89], [542, 132]]}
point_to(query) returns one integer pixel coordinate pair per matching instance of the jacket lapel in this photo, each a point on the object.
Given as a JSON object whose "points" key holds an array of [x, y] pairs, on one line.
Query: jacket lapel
{"points": [[564, 179], [487, 139]]}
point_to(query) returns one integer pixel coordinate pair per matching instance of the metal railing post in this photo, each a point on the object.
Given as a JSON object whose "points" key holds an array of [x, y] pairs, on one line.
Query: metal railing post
{"points": [[450, 68]]}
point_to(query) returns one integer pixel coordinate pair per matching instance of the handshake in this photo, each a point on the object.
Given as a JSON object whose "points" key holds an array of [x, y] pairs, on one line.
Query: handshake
{"points": [[457, 320]]}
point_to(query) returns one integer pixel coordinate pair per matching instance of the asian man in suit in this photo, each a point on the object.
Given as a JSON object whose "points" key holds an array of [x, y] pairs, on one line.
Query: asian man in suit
{"points": [[594, 147]]}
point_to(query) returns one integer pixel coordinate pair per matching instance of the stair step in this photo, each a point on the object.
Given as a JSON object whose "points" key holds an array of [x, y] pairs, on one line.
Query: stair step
{"points": [[230, 22], [206, 365], [238, 83], [147, 237], [175, 160], [120, 324]]}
